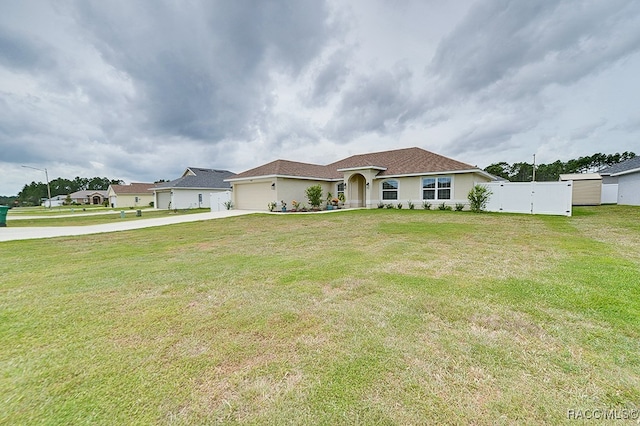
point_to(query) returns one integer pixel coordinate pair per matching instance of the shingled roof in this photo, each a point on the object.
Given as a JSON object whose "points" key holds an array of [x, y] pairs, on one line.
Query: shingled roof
{"points": [[195, 177], [622, 168], [406, 161], [132, 188]]}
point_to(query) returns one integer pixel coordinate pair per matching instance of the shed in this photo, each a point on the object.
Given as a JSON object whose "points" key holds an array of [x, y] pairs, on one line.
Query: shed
{"points": [[587, 188]]}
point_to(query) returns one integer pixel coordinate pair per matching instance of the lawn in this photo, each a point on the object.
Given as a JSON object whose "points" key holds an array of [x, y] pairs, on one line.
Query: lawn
{"points": [[357, 317]]}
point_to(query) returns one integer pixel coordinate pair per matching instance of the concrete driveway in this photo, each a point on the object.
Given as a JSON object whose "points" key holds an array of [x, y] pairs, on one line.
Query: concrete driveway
{"points": [[12, 233]]}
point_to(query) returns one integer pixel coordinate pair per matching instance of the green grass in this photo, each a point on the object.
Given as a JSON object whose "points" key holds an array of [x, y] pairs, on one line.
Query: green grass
{"points": [[97, 219], [360, 317]]}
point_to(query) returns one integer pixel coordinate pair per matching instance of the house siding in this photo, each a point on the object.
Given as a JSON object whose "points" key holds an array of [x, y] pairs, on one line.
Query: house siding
{"points": [[629, 189]]}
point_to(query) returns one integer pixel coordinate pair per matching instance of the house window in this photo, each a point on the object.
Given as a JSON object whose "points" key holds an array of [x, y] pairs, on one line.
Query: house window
{"points": [[136, 200], [436, 188], [340, 190], [390, 190]]}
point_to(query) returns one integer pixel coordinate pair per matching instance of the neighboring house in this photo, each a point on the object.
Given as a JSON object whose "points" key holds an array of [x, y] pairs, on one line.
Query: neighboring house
{"points": [[192, 190], [132, 195], [88, 197], [56, 201], [627, 176], [587, 188], [398, 176]]}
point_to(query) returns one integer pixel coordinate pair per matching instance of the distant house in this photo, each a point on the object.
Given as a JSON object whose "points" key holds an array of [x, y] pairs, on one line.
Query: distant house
{"points": [[365, 180], [88, 197], [132, 195], [192, 190], [587, 188], [626, 176], [56, 201]]}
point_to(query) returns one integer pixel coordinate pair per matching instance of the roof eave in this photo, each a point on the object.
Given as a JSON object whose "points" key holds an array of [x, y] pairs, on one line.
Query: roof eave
{"points": [[626, 172]]}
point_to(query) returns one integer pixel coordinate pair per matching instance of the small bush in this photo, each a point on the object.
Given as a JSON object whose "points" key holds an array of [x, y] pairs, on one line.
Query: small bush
{"points": [[381, 205], [228, 205], [390, 206], [314, 194], [479, 197], [399, 206], [410, 205], [459, 207], [426, 205], [443, 206]]}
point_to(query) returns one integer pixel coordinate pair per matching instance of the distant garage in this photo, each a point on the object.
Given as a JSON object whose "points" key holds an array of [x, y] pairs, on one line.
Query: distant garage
{"points": [[253, 195], [587, 188]]}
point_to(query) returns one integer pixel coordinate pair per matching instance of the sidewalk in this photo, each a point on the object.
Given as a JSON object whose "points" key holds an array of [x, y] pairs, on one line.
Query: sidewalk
{"points": [[13, 233]]}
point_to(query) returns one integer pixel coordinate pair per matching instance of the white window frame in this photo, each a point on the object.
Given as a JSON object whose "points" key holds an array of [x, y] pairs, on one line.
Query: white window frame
{"points": [[396, 190], [338, 191], [437, 188]]}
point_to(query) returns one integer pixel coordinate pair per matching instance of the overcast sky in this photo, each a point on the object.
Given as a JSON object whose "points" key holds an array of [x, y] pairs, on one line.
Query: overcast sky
{"points": [[140, 90]]}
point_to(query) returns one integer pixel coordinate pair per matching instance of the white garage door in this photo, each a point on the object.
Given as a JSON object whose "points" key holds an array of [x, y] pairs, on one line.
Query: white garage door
{"points": [[164, 198], [253, 196]]}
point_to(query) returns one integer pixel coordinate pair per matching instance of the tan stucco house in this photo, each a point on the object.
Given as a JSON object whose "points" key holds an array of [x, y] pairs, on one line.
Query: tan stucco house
{"points": [[389, 177], [133, 195]]}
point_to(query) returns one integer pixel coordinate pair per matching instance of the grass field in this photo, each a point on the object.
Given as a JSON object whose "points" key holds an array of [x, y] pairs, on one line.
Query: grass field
{"points": [[359, 317]]}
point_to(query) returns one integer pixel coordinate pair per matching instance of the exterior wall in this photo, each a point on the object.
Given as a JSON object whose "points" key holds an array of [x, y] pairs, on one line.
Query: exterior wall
{"points": [[410, 189], [189, 198], [629, 189], [254, 195], [288, 190], [587, 192], [129, 200]]}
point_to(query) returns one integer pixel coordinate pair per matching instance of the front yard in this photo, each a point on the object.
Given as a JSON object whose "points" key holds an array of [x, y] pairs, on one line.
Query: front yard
{"points": [[359, 317]]}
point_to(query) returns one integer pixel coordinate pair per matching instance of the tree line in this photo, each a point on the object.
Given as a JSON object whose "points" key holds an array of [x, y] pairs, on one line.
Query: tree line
{"points": [[523, 172], [32, 193]]}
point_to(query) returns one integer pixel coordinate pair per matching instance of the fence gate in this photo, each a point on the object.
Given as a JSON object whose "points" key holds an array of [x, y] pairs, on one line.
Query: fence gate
{"points": [[553, 198], [218, 199]]}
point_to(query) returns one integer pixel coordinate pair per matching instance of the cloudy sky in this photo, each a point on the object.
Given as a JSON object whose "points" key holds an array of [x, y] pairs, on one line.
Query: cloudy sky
{"points": [[140, 89]]}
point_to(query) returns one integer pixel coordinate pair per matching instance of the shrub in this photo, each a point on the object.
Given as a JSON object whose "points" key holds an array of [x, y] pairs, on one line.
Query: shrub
{"points": [[399, 206], [459, 207], [228, 205], [426, 205], [381, 205], [410, 205], [151, 204], [479, 197], [314, 194], [443, 206], [272, 206], [390, 206]]}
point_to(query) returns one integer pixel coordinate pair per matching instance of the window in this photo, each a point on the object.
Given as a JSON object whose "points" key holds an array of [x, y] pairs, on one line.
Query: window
{"points": [[436, 188], [136, 200], [340, 190], [390, 190]]}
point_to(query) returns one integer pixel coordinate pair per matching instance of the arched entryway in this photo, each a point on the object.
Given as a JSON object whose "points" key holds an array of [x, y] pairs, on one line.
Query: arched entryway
{"points": [[356, 193], [96, 200]]}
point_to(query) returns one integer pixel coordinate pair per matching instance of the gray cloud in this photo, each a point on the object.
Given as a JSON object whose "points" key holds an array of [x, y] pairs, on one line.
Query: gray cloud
{"points": [[203, 70]]}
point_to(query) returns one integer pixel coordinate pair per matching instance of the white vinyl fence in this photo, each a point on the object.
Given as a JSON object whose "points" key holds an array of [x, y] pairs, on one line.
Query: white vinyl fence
{"points": [[218, 199], [553, 198], [609, 193]]}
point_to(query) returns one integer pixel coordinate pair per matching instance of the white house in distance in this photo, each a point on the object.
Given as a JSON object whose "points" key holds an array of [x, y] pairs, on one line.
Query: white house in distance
{"points": [[624, 180], [192, 190], [397, 176]]}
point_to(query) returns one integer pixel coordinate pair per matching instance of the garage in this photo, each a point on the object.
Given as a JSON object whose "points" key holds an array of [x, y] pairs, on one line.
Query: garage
{"points": [[253, 195]]}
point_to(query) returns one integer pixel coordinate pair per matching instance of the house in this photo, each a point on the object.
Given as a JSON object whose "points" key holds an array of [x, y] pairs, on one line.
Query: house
{"points": [[88, 197], [132, 195], [56, 201], [626, 176], [192, 189], [587, 188], [397, 176]]}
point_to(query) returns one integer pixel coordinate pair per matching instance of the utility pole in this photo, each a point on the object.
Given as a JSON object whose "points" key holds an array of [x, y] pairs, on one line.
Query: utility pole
{"points": [[534, 168], [46, 175]]}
